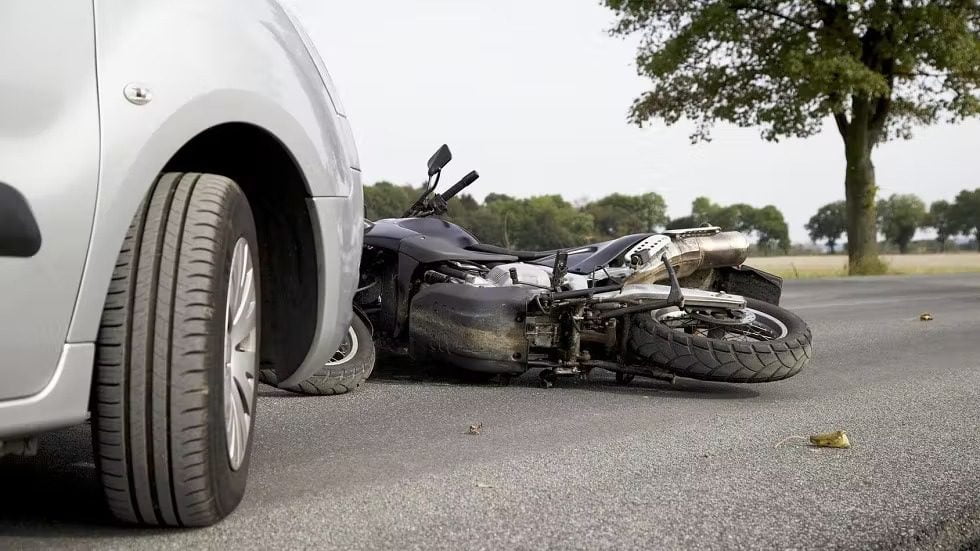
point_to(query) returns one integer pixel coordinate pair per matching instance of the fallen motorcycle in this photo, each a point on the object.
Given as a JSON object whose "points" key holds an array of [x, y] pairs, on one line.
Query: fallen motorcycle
{"points": [[675, 303]]}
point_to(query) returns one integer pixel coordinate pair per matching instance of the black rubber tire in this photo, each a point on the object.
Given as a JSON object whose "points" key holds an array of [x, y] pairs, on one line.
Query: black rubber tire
{"points": [[624, 379], [697, 357], [158, 394], [341, 378]]}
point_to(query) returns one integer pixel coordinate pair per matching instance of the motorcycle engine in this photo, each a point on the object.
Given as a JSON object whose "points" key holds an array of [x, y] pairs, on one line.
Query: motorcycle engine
{"points": [[527, 274], [532, 275]]}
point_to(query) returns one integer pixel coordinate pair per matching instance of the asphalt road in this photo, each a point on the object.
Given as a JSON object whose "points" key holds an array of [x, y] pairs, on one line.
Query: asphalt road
{"points": [[591, 465]]}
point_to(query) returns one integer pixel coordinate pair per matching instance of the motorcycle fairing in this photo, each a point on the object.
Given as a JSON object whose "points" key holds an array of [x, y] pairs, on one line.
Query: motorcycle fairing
{"points": [[429, 240], [421, 241]]}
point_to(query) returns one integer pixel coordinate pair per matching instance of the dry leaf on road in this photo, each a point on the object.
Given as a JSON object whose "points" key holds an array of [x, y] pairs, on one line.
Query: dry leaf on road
{"points": [[836, 439]]}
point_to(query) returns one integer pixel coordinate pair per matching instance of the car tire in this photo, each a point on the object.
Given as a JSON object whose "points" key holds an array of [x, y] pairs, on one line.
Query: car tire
{"points": [[175, 377], [349, 368]]}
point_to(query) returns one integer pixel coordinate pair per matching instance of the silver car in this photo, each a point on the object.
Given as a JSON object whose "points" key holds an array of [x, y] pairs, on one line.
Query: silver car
{"points": [[180, 211]]}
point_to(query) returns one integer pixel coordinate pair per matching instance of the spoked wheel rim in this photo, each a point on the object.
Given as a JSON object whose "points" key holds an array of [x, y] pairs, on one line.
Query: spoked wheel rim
{"points": [[239, 353], [348, 349], [744, 325]]}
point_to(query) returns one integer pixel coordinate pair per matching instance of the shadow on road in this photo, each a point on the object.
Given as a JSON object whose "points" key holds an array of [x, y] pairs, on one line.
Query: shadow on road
{"points": [[398, 370], [56, 494]]}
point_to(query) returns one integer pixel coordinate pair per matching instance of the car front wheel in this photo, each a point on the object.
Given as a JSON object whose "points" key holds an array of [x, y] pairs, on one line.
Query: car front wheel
{"points": [[176, 367]]}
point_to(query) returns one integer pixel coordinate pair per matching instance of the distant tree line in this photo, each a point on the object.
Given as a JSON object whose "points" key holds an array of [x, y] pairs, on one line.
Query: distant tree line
{"points": [[549, 221], [900, 216], [766, 224]]}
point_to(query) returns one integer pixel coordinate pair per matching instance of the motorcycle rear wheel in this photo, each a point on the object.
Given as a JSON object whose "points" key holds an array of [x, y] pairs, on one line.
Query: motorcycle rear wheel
{"points": [[775, 346]]}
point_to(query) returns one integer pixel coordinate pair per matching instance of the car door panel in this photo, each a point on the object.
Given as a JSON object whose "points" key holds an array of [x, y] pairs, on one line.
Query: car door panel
{"points": [[49, 154]]}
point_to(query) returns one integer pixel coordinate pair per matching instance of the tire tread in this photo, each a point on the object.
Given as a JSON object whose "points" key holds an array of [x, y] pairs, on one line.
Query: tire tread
{"points": [[151, 386], [697, 357]]}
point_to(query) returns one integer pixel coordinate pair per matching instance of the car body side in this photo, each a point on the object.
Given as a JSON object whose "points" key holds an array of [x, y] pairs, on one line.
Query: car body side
{"points": [[234, 88]]}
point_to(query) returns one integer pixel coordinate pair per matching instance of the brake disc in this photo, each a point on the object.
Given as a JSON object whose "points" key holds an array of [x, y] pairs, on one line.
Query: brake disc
{"points": [[733, 317]]}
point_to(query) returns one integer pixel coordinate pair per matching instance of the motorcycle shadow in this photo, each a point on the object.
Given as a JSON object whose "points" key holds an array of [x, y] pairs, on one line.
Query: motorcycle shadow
{"points": [[402, 370]]}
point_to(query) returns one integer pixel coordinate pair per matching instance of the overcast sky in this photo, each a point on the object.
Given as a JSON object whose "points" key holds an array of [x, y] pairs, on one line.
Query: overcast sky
{"points": [[534, 94]]}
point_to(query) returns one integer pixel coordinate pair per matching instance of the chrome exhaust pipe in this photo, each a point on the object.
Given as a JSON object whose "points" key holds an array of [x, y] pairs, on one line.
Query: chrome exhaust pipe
{"points": [[688, 253]]}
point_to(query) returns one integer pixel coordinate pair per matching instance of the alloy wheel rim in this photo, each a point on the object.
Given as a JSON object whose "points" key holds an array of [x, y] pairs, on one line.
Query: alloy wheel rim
{"points": [[348, 349], [750, 325], [239, 353]]}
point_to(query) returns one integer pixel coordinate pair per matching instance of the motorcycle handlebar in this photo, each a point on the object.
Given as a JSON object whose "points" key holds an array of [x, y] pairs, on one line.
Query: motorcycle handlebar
{"points": [[460, 185]]}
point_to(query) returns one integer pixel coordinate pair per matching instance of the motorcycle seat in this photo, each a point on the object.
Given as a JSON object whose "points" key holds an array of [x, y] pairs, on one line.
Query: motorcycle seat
{"points": [[521, 255]]}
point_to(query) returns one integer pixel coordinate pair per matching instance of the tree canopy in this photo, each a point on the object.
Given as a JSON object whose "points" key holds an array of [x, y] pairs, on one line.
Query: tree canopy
{"points": [[786, 66], [966, 213], [901, 216], [830, 223], [766, 223], [615, 215], [875, 67], [940, 218]]}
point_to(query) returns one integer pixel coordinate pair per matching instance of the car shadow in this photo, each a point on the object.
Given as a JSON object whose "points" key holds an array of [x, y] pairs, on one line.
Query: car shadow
{"points": [[57, 494]]}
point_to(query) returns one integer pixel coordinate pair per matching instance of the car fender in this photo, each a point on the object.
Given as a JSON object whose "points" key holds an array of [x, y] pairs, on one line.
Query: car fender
{"points": [[199, 65]]}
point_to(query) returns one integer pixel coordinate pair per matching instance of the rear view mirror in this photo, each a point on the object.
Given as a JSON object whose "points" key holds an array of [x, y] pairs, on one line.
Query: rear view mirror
{"points": [[440, 159]]}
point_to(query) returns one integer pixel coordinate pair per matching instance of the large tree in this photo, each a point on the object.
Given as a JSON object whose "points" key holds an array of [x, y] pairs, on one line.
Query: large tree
{"points": [[830, 223], [942, 220], [900, 216], [876, 67]]}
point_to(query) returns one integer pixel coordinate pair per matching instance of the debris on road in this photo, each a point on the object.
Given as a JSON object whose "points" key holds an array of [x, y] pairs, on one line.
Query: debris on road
{"points": [[926, 316], [836, 439], [483, 485], [475, 429]]}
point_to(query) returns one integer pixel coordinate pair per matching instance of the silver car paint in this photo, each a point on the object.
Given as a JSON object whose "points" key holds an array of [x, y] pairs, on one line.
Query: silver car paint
{"points": [[205, 63], [343, 251], [62, 402], [49, 150]]}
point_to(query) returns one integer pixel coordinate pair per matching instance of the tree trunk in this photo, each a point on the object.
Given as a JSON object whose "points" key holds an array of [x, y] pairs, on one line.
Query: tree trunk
{"points": [[859, 184], [862, 227], [832, 245]]}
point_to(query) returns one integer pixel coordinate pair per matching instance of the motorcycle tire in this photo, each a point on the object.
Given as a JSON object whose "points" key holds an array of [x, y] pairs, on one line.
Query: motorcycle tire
{"points": [[693, 356], [349, 368]]}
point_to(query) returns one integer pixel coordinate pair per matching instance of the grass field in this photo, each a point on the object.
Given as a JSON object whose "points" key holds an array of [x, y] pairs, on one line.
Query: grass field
{"points": [[805, 267]]}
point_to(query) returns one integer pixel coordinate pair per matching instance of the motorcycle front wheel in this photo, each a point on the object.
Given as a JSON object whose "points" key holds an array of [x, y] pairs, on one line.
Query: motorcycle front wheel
{"points": [[758, 344], [350, 366]]}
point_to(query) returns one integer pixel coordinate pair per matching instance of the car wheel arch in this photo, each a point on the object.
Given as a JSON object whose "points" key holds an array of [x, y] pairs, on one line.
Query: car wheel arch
{"points": [[278, 193]]}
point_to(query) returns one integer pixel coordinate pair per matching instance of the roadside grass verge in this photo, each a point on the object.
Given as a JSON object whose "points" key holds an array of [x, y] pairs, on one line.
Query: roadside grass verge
{"points": [[809, 267]]}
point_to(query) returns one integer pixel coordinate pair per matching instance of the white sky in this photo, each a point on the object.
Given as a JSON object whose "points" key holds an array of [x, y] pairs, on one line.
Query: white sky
{"points": [[534, 95]]}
